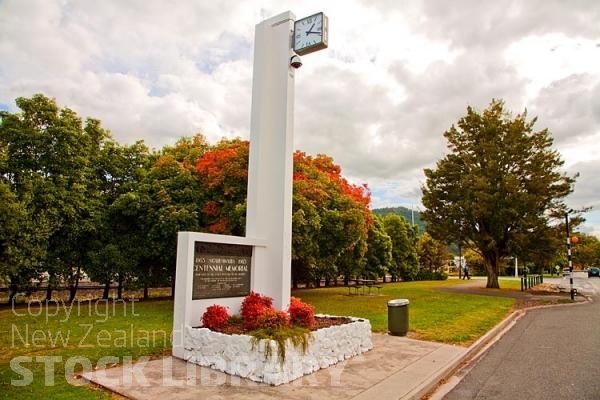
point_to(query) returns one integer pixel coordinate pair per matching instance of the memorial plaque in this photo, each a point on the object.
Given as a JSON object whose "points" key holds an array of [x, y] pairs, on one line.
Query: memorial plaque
{"points": [[221, 270]]}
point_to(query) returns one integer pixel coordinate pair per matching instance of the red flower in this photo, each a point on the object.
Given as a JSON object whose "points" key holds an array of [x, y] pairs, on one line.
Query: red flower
{"points": [[254, 306], [301, 314], [273, 319], [215, 317]]}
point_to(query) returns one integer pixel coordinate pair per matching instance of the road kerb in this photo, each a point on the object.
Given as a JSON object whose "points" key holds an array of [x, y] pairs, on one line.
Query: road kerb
{"points": [[434, 390]]}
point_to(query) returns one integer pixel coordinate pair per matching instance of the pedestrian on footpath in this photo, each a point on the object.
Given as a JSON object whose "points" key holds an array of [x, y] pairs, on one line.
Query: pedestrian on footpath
{"points": [[466, 272]]}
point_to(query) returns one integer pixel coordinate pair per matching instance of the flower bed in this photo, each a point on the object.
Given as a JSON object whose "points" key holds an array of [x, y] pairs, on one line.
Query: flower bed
{"points": [[242, 356]]}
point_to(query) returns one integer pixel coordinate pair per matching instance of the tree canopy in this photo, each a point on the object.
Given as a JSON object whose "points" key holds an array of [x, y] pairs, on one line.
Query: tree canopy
{"points": [[499, 188], [404, 253], [75, 201]]}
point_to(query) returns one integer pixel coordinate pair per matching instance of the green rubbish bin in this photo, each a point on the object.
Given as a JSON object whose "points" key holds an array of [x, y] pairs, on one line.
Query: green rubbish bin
{"points": [[398, 317]]}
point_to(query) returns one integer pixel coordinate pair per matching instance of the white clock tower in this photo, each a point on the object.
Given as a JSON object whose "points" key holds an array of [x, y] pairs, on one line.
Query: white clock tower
{"points": [[269, 207]]}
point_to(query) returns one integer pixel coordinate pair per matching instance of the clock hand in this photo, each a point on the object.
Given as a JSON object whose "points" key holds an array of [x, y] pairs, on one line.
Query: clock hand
{"points": [[315, 32], [310, 29]]}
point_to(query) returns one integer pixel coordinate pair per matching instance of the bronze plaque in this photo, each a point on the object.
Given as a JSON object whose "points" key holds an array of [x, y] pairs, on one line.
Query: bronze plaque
{"points": [[221, 270]]}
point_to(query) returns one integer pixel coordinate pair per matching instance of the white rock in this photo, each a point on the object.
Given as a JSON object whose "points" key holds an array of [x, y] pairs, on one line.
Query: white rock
{"points": [[235, 354]]}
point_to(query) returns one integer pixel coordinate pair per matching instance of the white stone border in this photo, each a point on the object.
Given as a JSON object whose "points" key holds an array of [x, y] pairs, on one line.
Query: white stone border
{"points": [[235, 355]]}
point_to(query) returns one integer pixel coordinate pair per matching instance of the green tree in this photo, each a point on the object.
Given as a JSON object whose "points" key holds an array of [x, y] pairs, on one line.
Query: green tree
{"points": [[500, 184], [306, 224], [188, 150], [46, 164], [120, 235], [333, 217], [176, 195], [475, 262], [379, 250], [543, 254], [432, 254], [586, 252], [150, 197], [404, 253], [76, 151], [23, 240]]}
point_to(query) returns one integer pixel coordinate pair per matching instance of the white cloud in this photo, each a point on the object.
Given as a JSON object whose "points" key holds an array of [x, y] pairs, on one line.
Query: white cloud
{"points": [[396, 75], [552, 57]]}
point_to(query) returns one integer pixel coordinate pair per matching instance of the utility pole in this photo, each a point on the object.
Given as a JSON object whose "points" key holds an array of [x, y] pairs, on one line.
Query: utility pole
{"points": [[569, 256]]}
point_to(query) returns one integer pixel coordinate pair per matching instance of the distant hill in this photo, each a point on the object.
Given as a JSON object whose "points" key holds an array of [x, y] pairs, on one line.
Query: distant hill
{"points": [[410, 215]]}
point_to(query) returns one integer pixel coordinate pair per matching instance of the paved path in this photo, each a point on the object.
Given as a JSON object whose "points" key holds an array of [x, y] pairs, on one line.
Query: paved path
{"points": [[397, 368], [550, 353]]}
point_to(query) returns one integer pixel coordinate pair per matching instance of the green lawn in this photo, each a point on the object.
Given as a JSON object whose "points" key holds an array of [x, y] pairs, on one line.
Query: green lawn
{"points": [[119, 330], [510, 283], [92, 331], [433, 315]]}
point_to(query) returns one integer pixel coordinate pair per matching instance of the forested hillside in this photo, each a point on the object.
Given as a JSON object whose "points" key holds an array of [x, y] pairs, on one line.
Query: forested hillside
{"points": [[412, 216]]}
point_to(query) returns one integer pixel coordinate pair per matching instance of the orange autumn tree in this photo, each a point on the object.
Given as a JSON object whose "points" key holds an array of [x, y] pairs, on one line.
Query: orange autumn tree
{"points": [[223, 175], [330, 221]]}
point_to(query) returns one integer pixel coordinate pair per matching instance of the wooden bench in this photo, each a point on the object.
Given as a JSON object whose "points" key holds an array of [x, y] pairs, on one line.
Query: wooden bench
{"points": [[355, 287]]}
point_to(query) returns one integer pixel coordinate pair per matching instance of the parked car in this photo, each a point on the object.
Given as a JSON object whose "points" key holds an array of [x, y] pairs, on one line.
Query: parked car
{"points": [[593, 271], [566, 272]]}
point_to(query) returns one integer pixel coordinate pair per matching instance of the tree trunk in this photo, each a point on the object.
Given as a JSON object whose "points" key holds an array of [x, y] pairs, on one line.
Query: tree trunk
{"points": [[492, 276], [106, 290], [146, 294], [173, 286], [294, 275], [120, 289], [346, 280], [74, 286], [327, 282], [13, 288], [49, 288]]}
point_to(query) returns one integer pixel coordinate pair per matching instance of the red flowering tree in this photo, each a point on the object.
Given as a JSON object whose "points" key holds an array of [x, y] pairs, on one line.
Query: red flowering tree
{"points": [[331, 216], [331, 219], [223, 174]]}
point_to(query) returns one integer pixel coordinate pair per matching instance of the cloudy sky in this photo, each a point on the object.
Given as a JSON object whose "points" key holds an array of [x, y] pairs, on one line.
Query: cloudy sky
{"points": [[396, 75]]}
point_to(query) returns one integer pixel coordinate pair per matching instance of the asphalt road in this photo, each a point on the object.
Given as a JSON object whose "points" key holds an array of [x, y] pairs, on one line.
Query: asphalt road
{"points": [[550, 353]]}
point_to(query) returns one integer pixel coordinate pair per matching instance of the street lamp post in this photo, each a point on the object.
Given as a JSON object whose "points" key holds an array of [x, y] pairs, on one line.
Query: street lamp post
{"points": [[569, 256]]}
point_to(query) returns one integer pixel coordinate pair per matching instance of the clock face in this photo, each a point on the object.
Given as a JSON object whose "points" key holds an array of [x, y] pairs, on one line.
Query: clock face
{"points": [[310, 34]]}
